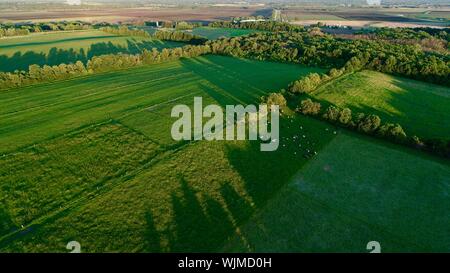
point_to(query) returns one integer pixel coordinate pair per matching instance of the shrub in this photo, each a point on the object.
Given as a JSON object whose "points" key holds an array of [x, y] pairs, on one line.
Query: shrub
{"points": [[332, 113], [308, 107], [369, 124], [275, 99], [392, 131], [345, 116]]}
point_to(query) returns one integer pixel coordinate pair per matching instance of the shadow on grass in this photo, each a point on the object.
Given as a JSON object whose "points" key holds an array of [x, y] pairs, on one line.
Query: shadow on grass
{"points": [[6, 223], [201, 223]]}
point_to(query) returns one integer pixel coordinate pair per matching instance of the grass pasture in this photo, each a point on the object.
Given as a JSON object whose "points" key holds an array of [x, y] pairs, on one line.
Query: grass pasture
{"points": [[355, 191], [169, 205], [91, 159], [53, 48], [36, 113], [419, 107], [110, 135]]}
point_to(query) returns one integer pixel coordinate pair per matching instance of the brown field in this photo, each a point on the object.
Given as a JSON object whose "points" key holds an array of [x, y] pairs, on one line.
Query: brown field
{"points": [[136, 14], [366, 17], [363, 23], [354, 17]]}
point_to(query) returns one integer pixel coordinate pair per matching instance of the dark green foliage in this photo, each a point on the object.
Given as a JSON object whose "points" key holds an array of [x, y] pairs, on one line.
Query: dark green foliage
{"points": [[179, 36], [37, 74], [125, 31], [330, 52], [264, 26]]}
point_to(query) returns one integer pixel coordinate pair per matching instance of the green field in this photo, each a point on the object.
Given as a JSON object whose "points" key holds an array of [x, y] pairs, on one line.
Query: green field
{"points": [[215, 33], [105, 138], [419, 107], [355, 191], [68, 46], [91, 159]]}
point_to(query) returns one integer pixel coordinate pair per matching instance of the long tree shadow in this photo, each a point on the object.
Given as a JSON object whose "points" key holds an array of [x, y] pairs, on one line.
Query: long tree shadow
{"points": [[200, 223], [197, 229], [6, 223], [152, 237]]}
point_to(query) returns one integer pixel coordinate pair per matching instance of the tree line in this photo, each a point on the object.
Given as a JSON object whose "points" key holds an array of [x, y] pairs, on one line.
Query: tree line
{"points": [[20, 29], [179, 36], [125, 31], [98, 64]]}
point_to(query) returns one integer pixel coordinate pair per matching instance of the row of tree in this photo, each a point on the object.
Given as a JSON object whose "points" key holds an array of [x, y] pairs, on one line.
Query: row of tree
{"points": [[179, 36], [38, 74], [372, 125], [125, 31], [97, 64], [20, 29], [312, 81], [8, 32]]}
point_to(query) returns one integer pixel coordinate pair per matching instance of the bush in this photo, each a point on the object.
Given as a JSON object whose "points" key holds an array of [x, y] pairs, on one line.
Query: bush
{"points": [[332, 113], [369, 124], [308, 107], [345, 116], [275, 99], [392, 131]]}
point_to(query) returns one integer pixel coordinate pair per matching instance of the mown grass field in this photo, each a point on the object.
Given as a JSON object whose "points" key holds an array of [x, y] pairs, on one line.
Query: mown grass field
{"points": [[355, 191], [421, 108], [92, 160], [68, 46]]}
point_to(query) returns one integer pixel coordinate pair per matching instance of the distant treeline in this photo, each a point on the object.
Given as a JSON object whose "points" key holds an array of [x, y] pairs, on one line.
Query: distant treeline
{"points": [[427, 38], [407, 33], [259, 25], [20, 29], [103, 63], [164, 35]]}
